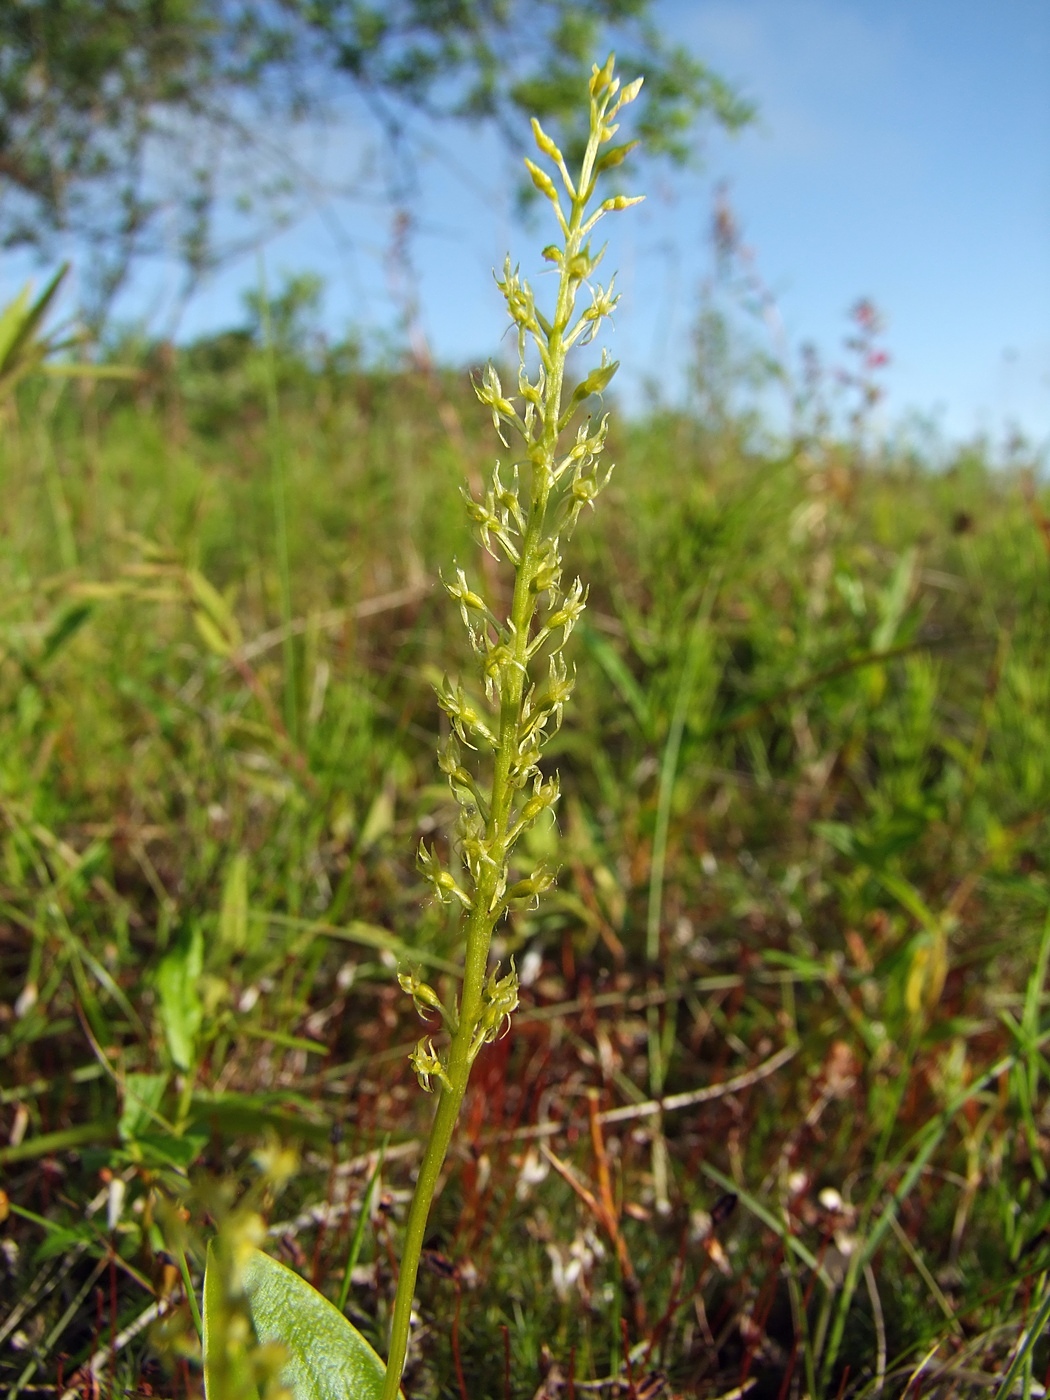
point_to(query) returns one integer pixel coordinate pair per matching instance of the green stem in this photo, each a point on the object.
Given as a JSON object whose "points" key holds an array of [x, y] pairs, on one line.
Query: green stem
{"points": [[433, 1159]]}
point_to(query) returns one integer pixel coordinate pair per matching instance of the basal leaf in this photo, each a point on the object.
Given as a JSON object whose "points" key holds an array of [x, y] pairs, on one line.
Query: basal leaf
{"points": [[326, 1357]]}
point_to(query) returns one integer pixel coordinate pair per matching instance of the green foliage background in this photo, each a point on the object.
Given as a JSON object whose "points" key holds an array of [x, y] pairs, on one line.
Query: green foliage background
{"points": [[805, 780]]}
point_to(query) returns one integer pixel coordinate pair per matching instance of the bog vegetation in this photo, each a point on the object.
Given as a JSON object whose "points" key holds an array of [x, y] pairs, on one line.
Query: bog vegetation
{"points": [[770, 1121]]}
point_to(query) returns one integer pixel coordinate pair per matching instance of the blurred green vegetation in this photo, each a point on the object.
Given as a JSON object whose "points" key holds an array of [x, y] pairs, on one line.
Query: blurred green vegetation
{"points": [[806, 777]]}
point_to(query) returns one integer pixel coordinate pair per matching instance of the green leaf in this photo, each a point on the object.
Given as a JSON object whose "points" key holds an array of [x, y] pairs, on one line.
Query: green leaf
{"points": [[229, 1115], [169, 1150], [181, 1009], [327, 1358], [893, 602], [64, 626], [215, 610], [233, 913], [63, 1140], [21, 348], [614, 666], [211, 635], [13, 321], [143, 1094], [61, 1241]]}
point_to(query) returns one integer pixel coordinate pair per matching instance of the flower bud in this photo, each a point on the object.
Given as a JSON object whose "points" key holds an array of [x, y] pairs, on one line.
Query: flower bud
{"points": [[544, 142], [450, 756], [542, 180], [620, 201], [611, 159]]}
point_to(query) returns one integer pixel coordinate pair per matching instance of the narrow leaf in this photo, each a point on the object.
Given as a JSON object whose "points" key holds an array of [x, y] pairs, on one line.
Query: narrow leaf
{"points": [[233, 913], [181, 1010], [216, 608]]}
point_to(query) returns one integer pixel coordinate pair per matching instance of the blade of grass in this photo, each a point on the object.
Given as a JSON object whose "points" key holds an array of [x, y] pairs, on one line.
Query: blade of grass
{"points": [[694, 656], [62, 1140], [766, 1216], [357, 931], [1027, 1343], [279, 492], [359, 1228]]}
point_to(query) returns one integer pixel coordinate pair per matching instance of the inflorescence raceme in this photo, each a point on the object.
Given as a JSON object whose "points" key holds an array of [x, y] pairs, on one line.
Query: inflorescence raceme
{"points": [[523, 518]]}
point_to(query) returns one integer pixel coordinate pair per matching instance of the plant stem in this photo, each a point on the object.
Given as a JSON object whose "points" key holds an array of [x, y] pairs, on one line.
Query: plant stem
{"points": [[441, 1131], [492, 823]]}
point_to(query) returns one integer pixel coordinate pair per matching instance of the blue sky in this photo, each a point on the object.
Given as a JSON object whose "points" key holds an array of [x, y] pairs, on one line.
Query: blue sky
{"points": [[902, 153]]}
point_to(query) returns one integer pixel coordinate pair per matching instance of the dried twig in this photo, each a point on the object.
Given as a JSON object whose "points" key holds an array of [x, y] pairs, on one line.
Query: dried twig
{"points": [[334, 617], [652, 1107]]}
